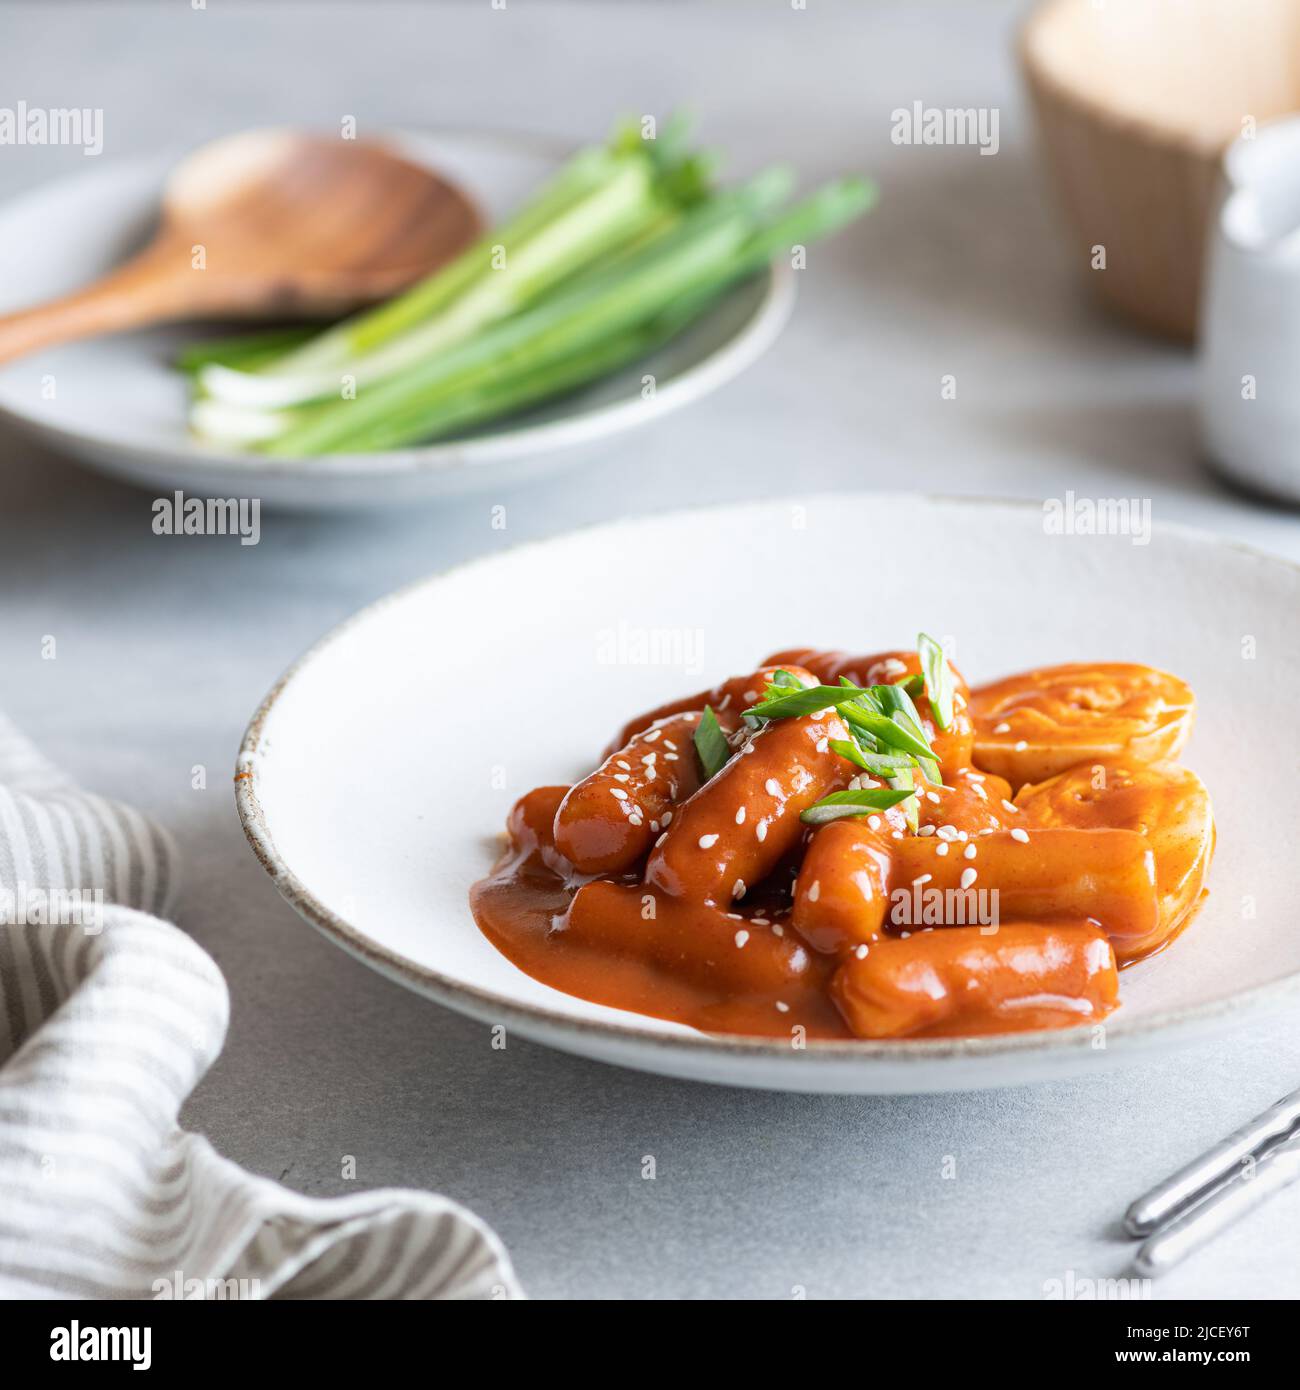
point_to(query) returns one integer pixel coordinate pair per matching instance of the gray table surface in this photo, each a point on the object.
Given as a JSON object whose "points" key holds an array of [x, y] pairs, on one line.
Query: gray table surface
{"points": [[166, 645]]}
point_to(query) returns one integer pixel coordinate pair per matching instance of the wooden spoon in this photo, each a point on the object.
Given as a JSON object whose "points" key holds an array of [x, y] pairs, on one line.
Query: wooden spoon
{"points": [[268, 224]]}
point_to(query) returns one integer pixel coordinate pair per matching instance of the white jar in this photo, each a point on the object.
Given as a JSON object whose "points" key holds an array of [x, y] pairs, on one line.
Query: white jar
{"points": [[1249, 368]]}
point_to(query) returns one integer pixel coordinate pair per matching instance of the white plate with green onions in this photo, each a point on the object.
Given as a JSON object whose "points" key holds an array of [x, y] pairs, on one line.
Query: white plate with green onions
{"points": [[613, 286], [375, 780]]}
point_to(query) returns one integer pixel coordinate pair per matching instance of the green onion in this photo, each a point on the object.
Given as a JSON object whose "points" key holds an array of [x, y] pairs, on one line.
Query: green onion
{"points": [[838, 805], [881, 765], [500, 389], [803, 701], [905, 782], [624, 248], [711, 744], [473, 291], [246, 351], [897, 703], [575, 181], [883, 712], [886, 730], [566, 322], [938, 679]]}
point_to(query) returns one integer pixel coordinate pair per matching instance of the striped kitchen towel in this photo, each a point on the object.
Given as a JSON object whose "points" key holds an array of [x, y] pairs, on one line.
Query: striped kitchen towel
{"points": [[108, 1017]]}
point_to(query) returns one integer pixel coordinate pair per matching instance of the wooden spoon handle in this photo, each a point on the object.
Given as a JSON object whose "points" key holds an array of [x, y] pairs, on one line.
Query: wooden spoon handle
{"points": [[138, 293]]}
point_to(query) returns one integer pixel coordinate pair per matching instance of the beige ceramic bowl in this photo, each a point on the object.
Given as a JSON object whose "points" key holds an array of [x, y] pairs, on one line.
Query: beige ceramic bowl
{"points": [[375, 793], [1136, 102]]}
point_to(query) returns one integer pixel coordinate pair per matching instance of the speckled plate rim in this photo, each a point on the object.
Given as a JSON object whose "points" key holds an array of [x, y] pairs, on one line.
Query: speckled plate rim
{"points": [[1151, 1031], [751, 339]]}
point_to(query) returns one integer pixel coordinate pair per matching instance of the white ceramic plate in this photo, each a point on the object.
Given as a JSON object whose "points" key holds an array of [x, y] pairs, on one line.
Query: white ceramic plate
{"points": [[376, 777], [120, 407]]}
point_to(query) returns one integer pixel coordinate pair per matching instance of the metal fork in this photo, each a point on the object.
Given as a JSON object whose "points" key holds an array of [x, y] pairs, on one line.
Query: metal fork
{"points": [[1212, 1192]]}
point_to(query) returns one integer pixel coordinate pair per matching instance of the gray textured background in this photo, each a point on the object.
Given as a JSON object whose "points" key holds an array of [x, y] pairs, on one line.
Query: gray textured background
{"points": [[165, 646]]}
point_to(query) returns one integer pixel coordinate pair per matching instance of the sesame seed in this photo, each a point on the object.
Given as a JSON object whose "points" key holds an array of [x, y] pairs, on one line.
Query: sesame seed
{"points": [[738, 888], [751, 696], [782, 1006], [761, 921], [627, 767], [904, 934], [924, 878], [860, 952], [1002, 729], [653, 734], [1021, 746], [932, 796], [735, 916], [941, 847], [1021, 836], [708, 841], [761, 831], [670, 757], [725, 701], [778, 929], [635, 819], [740, 815], [666, 817], [969, 852], [979, 791], [618, 792], [1011, 806], [874, 822], [620, 776], [661, 839], [741, 937], [668, 743], [815, 890], [926, 830], [968, 876], [772, 786], [654, 825], [947, 832]]}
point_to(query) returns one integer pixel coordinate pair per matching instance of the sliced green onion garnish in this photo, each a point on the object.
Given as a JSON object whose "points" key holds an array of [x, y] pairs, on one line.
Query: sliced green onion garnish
{"points": [[929, 768], [886, 730], [868, 710], [877, 764], [938, 679], [838, 805], [801, 702], [897, 703], [711, 744], [905, 783]]}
